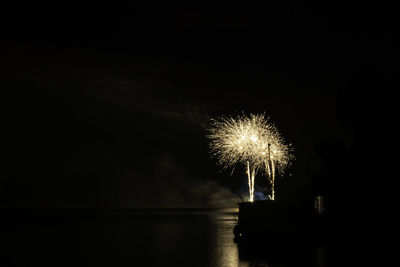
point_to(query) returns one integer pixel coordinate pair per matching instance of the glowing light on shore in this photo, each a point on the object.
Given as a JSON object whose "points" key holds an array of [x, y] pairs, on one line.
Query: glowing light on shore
{"points": [[250, 141]]}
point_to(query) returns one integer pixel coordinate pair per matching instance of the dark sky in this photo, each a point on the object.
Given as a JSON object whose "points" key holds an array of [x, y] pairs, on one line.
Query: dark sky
{"points": [[107, 106]]}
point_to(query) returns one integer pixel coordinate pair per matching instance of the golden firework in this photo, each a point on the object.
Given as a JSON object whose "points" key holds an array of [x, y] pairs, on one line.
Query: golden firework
{"points": [[251, 141]]}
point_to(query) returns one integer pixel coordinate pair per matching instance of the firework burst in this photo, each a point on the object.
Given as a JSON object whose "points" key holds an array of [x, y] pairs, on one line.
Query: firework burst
{"points": [[250, 141]]}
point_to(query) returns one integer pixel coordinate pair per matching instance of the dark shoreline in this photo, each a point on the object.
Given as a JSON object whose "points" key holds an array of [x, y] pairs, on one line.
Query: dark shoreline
{"points": [[12, 214]]}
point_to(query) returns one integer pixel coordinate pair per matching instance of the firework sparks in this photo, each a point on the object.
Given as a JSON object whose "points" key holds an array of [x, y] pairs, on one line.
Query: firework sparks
{"points": [[251, 141]]}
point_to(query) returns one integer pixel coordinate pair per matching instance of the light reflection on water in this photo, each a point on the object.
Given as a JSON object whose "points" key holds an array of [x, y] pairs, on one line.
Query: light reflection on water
{"points": [[226, 250], [230, 254], [166, 238]]}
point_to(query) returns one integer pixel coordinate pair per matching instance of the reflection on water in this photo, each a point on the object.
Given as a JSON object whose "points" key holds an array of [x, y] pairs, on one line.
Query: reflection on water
{"points": [[226, 251], [319, 256], [150, 238]]}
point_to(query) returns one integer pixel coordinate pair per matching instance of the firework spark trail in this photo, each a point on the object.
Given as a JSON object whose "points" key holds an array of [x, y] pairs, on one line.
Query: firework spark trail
{"points": [[249, 181], [253, 176], [249, 140]]}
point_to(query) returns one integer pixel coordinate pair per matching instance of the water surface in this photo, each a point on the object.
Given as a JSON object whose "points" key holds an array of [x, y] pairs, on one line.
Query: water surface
{"points": [[170, 237]]}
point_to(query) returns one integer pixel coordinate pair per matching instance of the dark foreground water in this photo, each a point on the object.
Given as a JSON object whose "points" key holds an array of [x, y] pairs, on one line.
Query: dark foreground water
{"points": [[140, 238]]}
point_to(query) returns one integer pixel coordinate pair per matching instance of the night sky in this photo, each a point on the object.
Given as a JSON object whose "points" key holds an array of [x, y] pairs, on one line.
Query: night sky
{"points": [[108, 106]]}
